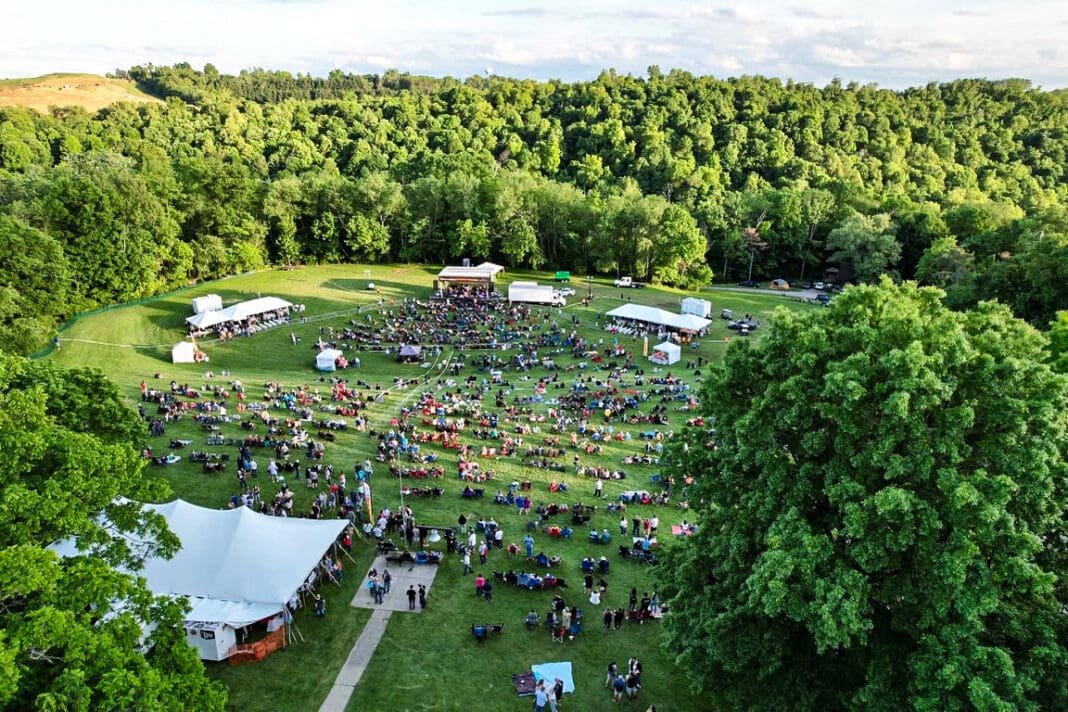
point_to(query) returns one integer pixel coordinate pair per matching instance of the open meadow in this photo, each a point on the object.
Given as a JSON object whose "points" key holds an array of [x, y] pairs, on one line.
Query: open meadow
{"points": [[429, 660]]}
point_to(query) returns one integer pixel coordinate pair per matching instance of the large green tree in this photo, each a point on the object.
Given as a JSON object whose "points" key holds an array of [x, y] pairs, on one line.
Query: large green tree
{"points": [[881, 512], [71, 629]]}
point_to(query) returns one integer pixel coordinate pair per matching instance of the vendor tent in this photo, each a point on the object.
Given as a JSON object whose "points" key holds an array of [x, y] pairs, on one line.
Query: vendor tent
{"points": [[409, 352], [326, 360], [697, 307], [209, 302], [235, 566], [659, 317], [183, 352], [666, 353]]}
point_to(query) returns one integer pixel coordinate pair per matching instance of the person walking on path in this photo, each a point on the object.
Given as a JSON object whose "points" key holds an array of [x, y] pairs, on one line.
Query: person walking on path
{"points": [[422, 596], [411, 598], [387, 579]]}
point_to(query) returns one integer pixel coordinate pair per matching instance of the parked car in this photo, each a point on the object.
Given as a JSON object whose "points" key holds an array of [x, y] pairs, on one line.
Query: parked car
{"points": [[808, 284], [819, 285], [823, 298], [748, 283], [566, 292]]}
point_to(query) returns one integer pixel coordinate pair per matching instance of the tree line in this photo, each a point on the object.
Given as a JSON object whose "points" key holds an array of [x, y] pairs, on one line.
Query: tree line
{"points": [[668, 177]]}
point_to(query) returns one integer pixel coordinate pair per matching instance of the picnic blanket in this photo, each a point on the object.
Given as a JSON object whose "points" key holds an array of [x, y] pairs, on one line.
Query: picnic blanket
{"points": [[550, 671], [524, 683], [679, 531]]}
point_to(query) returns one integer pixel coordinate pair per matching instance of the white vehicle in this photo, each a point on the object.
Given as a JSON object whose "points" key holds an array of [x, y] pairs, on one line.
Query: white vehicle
{"points": [[819, 285], [532, 293], [628, 282], [566, 292]]}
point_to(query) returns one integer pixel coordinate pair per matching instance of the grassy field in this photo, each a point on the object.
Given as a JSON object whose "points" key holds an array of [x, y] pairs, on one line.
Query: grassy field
{"points": [[89, 91], [427, 661]]}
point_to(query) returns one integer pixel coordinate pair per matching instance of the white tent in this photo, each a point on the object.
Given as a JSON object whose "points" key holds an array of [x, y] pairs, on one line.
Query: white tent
{"points": [[237, 312], [652, 315], [666, 353], [209, 302], [697, 307], [326, 360], [183, 352], [235, 566]]}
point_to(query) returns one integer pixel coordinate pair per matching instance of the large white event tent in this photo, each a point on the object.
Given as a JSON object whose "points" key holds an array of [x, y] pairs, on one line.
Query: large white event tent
{"points": [[652, 315], [236, 566], [237, 312]]}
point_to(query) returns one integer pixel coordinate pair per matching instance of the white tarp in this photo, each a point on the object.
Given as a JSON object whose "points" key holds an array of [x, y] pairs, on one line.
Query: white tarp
{"points": [[652, 315], [326, 360], [209, 302], [237, 312], [235, 566], [697, 307], [670, 350], [183, 352]]}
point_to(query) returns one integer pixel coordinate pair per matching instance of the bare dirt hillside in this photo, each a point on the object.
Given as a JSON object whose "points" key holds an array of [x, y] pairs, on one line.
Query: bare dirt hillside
{"points": [[89, 91]]}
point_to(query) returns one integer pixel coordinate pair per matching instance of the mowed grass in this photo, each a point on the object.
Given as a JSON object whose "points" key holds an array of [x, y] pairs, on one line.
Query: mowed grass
{"points": [[427, 661]]}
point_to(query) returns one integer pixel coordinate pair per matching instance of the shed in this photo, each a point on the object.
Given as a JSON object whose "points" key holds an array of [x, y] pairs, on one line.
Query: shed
{"points": [[699, 307], [184, 352], [326, 360], [666, 353]]}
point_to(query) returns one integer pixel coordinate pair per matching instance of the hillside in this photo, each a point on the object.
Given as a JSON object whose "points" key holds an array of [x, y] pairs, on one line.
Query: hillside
{"points": [[89, 91]]}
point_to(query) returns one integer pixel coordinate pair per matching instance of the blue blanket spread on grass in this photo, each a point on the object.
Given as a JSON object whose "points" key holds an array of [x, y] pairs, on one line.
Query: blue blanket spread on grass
{"points": [[550, 671]]}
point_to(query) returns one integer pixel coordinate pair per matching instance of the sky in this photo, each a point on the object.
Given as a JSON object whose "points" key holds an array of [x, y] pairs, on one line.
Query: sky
{"points": [[894, 44]]}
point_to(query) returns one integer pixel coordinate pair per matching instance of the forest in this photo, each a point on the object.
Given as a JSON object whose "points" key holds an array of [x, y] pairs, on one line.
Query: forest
{"points": [[670, 177]]}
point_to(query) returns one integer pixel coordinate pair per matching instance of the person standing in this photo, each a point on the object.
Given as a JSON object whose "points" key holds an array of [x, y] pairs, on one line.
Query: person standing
{"points": [[587, 582], [632, 686], [467, 562], [623, 525], [498, 538], [632, 604], [617, 619], [387, 579], [619, 686], [422, 596], [487, 591], [482, 551], [411, 598], [558, 691], [636, 529], [480, 584], [540, 697], [528, 544], [613, 670], [608, 624], [597, 487]]}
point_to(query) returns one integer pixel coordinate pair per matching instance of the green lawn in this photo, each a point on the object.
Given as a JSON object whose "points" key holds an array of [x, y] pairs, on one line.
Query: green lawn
{"points": [[427, 661]]}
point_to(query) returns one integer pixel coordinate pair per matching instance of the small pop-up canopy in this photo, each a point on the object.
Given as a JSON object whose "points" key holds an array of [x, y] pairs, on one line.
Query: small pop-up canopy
{"points": [[184, 352], [409, 352], [327, 359], [666, 353]]}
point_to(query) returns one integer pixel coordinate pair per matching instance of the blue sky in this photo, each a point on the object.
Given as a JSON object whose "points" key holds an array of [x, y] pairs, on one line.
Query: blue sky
{"points": [[893, 44]]}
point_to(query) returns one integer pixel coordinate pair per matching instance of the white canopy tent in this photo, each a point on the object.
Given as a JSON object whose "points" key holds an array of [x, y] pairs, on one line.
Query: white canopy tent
{"points": [[237, 312], [209, 302], [666, 353], [697, 307], [652, 315], [326, 360], [235, 566], [184, 352]]}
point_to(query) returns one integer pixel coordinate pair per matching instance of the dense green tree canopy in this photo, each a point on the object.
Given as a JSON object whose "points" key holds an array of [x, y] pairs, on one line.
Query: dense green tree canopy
{"points": [[267, 168], [71, 630], [881, 510]]}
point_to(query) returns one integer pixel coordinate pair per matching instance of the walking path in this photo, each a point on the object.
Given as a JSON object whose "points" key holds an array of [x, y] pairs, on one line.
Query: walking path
{"points": [[404, 575]]}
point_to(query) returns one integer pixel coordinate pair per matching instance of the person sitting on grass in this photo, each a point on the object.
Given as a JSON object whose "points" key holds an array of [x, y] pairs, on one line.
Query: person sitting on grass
{"points": [[532, 620]]}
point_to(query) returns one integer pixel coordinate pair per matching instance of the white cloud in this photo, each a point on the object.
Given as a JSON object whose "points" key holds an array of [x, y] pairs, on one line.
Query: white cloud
{"points": [[909, 42]]}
